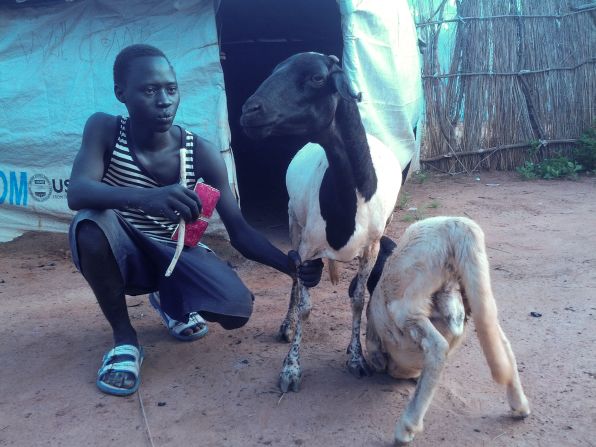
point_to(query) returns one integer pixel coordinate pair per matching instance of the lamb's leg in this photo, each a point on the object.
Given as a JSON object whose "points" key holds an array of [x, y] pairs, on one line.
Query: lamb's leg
{"points": [[291, 373], [356, 363], [435, 349], [520, 407], [374, 347]]}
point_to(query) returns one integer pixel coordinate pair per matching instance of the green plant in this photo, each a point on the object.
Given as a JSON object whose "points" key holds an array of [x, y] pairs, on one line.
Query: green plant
{"points": [[535, 146], [585, 152], [559, 167], [402, 200], [420, 176], [433, 204], [409, 218], [550, 168], [412, 215], [527, 171]]}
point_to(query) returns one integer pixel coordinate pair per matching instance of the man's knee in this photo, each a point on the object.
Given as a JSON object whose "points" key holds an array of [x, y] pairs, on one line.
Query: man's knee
{"points": [[91, 241], [230, 323]]}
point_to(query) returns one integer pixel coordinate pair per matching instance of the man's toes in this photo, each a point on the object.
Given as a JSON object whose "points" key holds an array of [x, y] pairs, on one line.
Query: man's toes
{"points": [[189, 331], [124, 380]]}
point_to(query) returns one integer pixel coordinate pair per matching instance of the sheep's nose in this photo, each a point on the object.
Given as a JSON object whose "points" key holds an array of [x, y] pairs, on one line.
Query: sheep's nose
{"points": [[252, 106]]}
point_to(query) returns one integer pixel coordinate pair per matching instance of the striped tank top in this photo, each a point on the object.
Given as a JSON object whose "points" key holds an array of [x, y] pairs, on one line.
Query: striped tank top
{"points": [[123, 169]]}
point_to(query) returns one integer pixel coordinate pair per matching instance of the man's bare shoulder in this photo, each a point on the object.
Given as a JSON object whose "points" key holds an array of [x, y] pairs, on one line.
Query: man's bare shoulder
{"points": [[202, 144], [100, 131], [206, 151], [102, 121], [209, 162]]}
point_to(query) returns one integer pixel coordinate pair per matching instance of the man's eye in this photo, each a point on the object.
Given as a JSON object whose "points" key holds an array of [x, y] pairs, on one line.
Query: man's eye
{"points": [[172, 90], [149, 90]]}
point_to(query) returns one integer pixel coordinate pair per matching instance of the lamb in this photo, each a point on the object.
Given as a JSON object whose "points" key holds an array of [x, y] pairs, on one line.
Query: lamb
{"points": [[342, 190], [430, 283]]}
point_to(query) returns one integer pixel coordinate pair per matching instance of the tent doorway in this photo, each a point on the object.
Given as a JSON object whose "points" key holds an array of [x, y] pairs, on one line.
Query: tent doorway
{"points": [[254, 37]]}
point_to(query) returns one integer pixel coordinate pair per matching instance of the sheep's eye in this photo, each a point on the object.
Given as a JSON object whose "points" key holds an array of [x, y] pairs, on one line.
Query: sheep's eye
{"points": [[318, 79]]}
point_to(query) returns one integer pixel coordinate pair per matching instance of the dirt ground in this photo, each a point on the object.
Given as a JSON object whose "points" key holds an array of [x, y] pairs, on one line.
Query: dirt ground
{"points": [[222, 390]]}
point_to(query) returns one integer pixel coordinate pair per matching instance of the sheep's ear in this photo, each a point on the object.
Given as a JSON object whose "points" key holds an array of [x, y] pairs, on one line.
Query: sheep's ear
{"points": [[342, 85]]}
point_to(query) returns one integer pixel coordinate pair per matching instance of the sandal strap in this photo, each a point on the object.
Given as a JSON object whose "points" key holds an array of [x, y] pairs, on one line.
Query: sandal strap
{"points": [[196, 318], [179, 326], [124, 366], [175, 326], [130, 350]]}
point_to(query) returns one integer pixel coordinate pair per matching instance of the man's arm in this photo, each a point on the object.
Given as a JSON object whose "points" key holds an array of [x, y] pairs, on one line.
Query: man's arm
{"points": [[244, 238], [87, 191]]}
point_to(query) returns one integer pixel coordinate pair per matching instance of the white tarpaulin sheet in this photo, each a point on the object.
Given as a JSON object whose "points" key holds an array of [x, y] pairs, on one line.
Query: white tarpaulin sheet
{"points": [[381, 58], [56, 64]]}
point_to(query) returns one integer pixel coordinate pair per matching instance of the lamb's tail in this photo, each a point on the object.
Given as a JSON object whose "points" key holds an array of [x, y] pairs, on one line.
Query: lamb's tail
{"points": [[333, 272], [473, 266]]}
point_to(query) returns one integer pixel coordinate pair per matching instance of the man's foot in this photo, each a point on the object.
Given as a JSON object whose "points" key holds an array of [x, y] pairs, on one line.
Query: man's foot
{"points": [[120, 372], [195, 328]]}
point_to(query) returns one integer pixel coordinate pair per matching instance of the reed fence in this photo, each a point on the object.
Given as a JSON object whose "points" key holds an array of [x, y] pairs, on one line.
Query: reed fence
{"points": [[517, 83]]}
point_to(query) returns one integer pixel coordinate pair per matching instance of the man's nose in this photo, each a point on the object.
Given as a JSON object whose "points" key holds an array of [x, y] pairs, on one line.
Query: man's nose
{"points": [[163, 99]]}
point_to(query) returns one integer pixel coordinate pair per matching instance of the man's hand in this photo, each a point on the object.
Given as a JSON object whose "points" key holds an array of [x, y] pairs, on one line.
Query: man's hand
{"points": [[309, 272], [173, 202]]}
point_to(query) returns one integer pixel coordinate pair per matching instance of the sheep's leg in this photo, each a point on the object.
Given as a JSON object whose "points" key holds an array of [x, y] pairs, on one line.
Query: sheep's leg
{"points": [[356, 363], [288, 326], [291, 372], [295, 309], [435, 349]]}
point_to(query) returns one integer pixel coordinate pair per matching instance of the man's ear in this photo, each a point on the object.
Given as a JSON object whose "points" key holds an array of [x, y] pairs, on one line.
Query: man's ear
{"points": [[119, 92]]}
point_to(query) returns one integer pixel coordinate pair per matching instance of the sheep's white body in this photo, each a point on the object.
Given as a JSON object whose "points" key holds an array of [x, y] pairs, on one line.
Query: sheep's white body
{"points": [[307, 226]]}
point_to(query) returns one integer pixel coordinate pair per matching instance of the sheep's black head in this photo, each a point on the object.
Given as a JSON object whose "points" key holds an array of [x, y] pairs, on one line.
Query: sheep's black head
{"points": [[299, 98]]}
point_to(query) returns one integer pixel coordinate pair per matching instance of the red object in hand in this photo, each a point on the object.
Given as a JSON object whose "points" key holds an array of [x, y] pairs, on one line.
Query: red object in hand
{"points": [[208, 196]]}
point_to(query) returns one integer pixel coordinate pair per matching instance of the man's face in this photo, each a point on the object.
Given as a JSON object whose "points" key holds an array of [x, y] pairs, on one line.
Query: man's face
{"points": [[150, 93]]}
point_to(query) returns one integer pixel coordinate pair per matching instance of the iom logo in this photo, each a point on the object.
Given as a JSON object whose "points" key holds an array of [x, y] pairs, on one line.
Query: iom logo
{"points": [[40, 188], [13, 188]]}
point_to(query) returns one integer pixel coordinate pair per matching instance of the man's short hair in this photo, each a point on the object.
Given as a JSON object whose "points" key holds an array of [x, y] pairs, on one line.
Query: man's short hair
{"points": [[130, 53]]}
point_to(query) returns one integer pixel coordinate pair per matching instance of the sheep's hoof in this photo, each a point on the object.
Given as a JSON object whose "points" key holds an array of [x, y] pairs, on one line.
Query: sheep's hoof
{"points": [[520, 413], [289, 379], [285, 333], [403, 435], [358, 367]]}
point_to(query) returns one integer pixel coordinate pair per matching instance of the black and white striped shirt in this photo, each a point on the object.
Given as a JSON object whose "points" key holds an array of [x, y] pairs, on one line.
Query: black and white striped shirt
{"points": [[124, 169]]}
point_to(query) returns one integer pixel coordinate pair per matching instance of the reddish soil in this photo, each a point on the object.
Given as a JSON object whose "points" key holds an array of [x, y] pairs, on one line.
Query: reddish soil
{"points": [[222, 390]]}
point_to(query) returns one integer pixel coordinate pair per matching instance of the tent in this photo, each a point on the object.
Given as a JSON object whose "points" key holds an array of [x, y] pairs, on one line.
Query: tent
{"points": [[56, 59]]}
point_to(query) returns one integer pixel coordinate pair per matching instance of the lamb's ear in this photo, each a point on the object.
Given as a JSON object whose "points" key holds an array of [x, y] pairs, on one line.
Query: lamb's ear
{"points": [[341, 84]]}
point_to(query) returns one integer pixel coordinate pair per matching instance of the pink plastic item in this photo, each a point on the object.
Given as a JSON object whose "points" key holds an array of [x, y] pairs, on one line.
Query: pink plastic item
{"points": [[209, 197]]}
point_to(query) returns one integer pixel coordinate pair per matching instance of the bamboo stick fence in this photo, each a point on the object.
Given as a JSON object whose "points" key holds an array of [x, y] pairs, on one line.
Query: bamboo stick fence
{"points": [[521, 75]]}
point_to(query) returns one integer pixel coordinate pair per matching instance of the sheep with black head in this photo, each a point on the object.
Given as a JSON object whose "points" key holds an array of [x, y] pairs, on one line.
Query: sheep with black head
{"points": [[342, 186]]}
